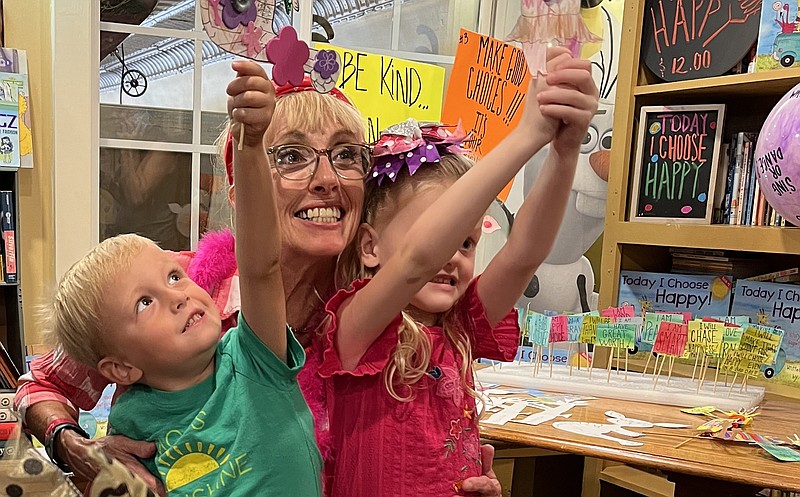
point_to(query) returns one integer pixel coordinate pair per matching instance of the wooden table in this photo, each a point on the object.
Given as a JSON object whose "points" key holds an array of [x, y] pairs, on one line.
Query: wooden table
{"points": [[698, 468]]}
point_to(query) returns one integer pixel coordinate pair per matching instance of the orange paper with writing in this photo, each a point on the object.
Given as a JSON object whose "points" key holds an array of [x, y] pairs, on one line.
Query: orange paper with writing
{"points": [[486, 91]]}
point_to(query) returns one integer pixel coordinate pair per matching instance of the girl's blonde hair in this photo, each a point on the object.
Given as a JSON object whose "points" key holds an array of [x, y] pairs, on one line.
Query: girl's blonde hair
{"points": [[411, 358], [72, 319]]}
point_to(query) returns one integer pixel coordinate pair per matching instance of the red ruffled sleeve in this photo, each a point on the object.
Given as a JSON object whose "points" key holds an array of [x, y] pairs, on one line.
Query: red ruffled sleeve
{"points": [[374, 359], [498, 343]]}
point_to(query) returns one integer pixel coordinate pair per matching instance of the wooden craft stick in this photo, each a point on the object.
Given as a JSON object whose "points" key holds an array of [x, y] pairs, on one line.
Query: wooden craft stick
{"points": [[550, 355], [570, 358], [716, 376], [685, 442], [663, 360], [626, 363], [703, 370], [610, 360], [696, 357], [615, 351], [649, 356], [591, 361], [671, 363], [744, 384], [732, 384]]}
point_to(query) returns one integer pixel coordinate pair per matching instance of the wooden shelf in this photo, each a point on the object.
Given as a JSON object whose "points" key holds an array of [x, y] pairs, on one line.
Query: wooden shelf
{"points": [[767, 239], [775, 82]]}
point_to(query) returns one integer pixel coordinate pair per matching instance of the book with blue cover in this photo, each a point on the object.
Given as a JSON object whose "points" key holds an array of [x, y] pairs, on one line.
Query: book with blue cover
{"points": [[700, 295], [776, 305], [778, 45]]}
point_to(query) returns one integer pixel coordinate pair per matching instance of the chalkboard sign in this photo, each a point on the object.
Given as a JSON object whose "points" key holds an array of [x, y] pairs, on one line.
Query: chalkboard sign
{"points": [[685, 39], [675, 166]]}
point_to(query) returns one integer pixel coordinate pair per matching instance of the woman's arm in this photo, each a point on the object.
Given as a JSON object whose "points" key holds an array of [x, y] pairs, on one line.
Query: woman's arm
{"points": [[251, 103], [571, 99]]}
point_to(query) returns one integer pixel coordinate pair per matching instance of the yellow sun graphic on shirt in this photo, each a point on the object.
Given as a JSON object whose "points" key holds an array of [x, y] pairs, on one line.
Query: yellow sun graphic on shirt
{"points": [[188, 463]]}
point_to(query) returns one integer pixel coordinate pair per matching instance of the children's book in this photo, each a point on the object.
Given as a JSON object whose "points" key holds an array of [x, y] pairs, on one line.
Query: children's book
{"points": [[776, 305], [778, 36], [8, 227], [14, 88], [700, 295], [9, 134]]}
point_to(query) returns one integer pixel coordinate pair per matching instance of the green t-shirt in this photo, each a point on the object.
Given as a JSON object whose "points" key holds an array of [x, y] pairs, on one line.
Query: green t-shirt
{"points": [[244, 431]]}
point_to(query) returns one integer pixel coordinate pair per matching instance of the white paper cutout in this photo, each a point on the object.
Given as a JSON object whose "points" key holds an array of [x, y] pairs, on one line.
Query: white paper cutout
{"points": [[597, 430]]}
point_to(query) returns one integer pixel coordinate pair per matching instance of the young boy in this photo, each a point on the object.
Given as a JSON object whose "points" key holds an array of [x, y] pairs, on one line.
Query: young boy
{"points": [[227, 417]]}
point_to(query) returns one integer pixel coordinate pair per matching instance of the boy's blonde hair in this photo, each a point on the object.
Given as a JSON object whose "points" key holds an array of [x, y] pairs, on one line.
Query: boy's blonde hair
{"points": [[72, 320], [411, 359]]}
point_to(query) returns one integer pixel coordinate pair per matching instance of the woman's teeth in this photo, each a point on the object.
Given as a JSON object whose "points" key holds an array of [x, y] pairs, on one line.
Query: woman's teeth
{"points": [[321, 214], [444, 280]]}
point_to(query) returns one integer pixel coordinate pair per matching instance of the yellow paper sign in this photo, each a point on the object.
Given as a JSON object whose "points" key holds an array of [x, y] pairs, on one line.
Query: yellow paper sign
{"points": [[387, 90], [589, 328]]}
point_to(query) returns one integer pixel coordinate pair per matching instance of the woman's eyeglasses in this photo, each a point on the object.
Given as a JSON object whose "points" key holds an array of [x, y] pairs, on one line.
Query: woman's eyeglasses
{"points": [[299, 162]]}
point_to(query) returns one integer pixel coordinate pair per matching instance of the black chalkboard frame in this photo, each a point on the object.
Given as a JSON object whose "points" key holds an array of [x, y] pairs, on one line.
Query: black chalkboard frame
{"points": [[638, 163]]}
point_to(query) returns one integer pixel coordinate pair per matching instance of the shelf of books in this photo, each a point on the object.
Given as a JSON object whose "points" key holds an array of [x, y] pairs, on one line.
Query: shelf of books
{"points": [[687, 228]]}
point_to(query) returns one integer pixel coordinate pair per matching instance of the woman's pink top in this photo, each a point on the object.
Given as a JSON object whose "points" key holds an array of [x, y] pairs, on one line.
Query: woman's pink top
{"points": [[384, 447]]}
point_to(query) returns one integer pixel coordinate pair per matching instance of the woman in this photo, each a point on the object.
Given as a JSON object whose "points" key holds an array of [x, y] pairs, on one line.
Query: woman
{"points": [[320, 208]]}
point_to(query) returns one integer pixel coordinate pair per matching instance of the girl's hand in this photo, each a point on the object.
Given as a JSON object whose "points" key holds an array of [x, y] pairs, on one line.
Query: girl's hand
{"points": [[486, 485], [533, 120], [251, 101], [571, 99]]}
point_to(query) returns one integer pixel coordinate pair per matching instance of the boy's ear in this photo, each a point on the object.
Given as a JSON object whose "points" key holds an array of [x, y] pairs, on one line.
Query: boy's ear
{"points": [[119, 371], [368, 246]]}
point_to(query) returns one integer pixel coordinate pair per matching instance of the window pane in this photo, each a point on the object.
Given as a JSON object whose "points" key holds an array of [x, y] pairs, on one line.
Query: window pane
{"points": [[127, 122], [149, 71], [215, 210], [431, 26], [146, 192], [369, 27], [173, 14]]}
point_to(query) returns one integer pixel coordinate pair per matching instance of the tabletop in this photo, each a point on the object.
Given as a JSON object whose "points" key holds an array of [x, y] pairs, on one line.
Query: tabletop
{"points": [[735, 462]]}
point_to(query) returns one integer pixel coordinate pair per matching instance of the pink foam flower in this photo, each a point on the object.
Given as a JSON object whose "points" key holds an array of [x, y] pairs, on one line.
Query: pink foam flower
{"points": [[289, 55]]}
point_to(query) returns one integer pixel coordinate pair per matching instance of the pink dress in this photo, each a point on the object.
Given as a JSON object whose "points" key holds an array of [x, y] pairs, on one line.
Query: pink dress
{"points": [[426, 447]]}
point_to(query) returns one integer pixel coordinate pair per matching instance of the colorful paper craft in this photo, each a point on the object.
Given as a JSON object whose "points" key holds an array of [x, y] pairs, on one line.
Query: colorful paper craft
{"points": [[671, 339], [616, 335], [244, 28], [558, 329], [589, 328], [780, 452]]}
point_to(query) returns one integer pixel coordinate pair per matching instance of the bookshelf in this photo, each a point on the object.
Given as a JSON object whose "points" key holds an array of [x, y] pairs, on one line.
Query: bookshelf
{"points": [[645, 246], [11, 331]]}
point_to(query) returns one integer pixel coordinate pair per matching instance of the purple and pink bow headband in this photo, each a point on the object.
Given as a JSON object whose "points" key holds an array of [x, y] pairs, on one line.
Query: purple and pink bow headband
{"points": [[413, 144]]}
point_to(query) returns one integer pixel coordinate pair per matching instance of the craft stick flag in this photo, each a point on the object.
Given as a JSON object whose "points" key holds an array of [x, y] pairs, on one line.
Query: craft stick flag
{"points": [[544, 23], [671, 339], [244, 28]]}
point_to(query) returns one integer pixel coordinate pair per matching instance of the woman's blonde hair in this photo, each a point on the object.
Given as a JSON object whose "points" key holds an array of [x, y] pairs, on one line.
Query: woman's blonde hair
{"points": [[411, 358], [72, 319]]}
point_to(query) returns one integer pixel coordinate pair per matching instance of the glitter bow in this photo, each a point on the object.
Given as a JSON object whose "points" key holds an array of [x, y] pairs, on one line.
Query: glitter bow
{"points": [[413, 144]]}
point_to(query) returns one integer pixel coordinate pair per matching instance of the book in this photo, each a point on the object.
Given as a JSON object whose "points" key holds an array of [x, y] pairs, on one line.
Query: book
{"points": [[777, 305], [777, 36], [700, 295], [722, 177], [9, 134], [775, 274], [8, 228], [14, 87], [736, 179]]}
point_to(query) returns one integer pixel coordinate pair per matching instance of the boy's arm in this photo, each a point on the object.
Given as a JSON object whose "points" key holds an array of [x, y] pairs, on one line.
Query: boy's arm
{"points": [[537, 223], [434, 237], [251, 103]]}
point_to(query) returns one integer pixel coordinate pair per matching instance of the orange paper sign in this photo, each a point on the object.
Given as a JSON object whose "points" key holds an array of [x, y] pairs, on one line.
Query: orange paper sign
{"points": [[486, 91]]}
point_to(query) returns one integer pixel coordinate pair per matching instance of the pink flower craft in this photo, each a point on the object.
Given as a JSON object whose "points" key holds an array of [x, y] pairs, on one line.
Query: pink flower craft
{"points": [[251, 37], [413, 144], [238, 12], [288, 55]]}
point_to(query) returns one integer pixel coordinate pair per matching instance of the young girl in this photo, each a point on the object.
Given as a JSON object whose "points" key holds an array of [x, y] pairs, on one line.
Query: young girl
{"points": [[399, 346]]}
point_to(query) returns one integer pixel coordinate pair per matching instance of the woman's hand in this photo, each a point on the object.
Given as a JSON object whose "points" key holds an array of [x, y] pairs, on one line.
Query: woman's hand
{"points": [[486, 485], [73, 449], [251, 102]]}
